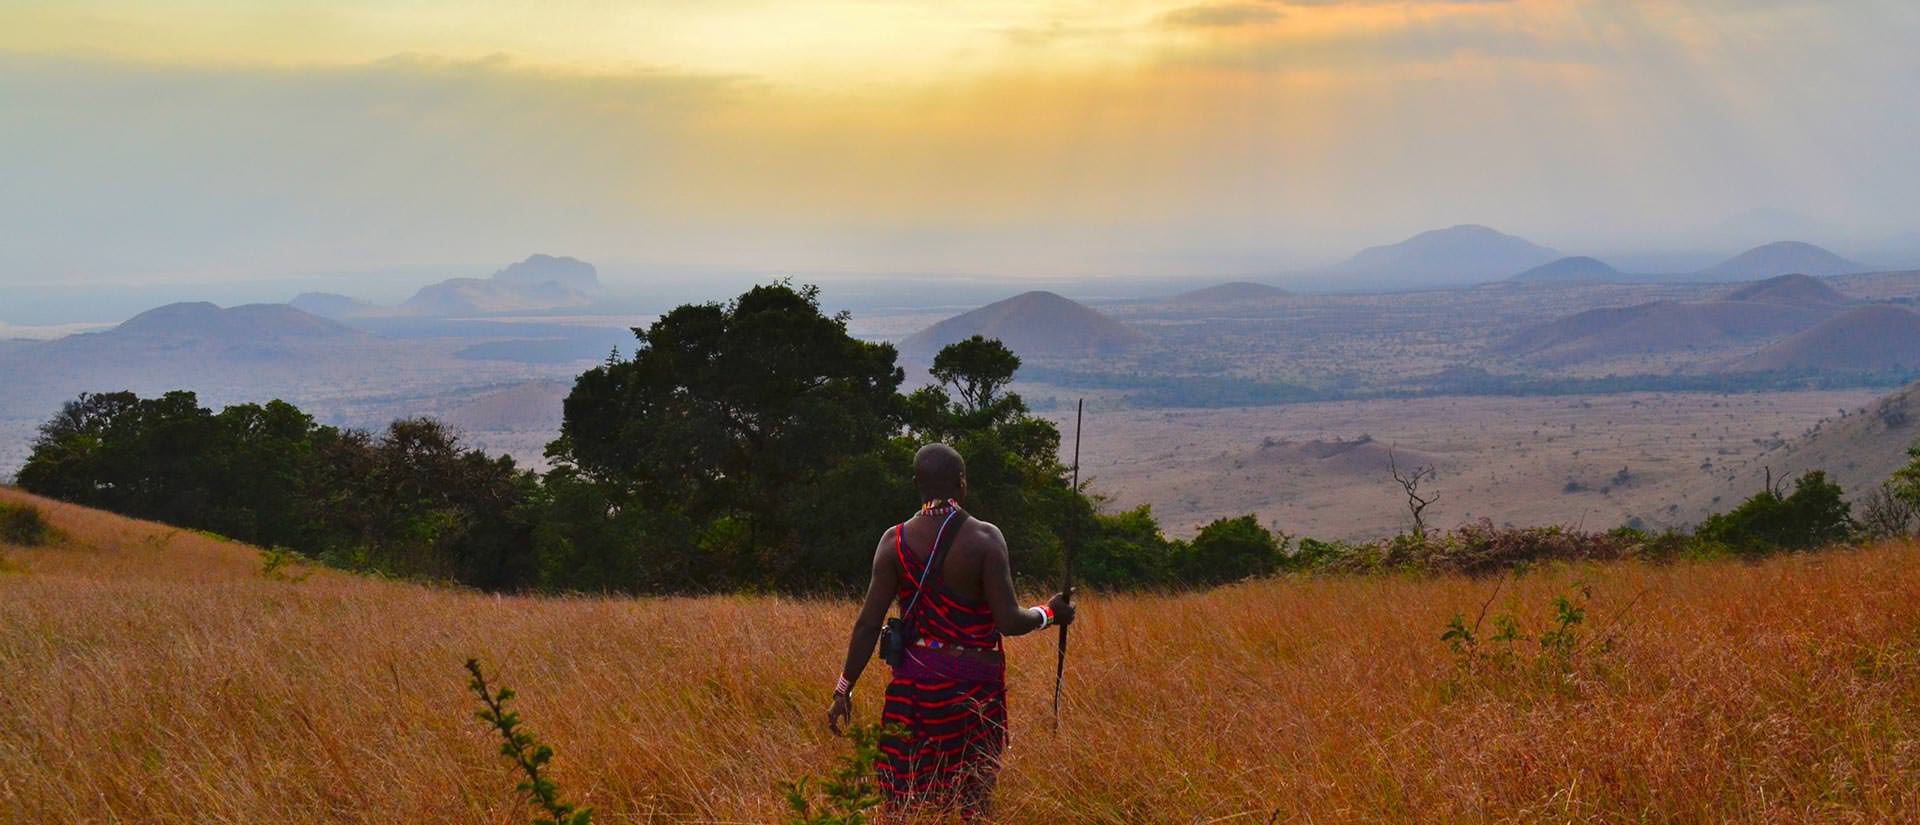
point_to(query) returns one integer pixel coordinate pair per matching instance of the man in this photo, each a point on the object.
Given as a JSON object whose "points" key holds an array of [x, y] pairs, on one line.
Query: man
{"points": [[948, 693]]}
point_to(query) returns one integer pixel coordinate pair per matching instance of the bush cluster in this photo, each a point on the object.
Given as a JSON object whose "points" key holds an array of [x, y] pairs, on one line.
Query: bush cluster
{"points": [[23, 524]]}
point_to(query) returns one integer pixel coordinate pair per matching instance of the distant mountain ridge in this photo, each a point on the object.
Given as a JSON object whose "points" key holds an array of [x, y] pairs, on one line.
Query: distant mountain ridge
{"points": [[1657, 327], [1031, 324], [1456, 256], [335, 306], [540, 282], [1795, 289], [1780, 258], [203, 321], [540, 269]]}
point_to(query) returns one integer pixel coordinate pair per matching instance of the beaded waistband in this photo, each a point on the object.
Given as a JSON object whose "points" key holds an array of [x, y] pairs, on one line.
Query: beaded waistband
{"points": [[936, 644]]}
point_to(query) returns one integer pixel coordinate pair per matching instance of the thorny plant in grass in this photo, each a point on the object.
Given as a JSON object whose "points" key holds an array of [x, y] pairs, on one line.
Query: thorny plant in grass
{"points": [[1547, 657], [847, 793], [526, 752], [275, 562]]}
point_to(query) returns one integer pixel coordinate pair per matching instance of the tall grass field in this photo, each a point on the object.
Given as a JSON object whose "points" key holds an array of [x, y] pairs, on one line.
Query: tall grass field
{"points": [[154, 675]]}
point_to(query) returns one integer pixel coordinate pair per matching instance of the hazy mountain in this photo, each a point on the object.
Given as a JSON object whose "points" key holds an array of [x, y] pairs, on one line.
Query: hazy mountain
{"points": [[1755, 226], [541, 269], [1575, 270], [205, 322], [541, 282], [1456, 256], [1658, 327], [1869, 338], [185, 345], [332, 305], [1230, 293], [1780, 258], [1031, 324], [1793, 290]]}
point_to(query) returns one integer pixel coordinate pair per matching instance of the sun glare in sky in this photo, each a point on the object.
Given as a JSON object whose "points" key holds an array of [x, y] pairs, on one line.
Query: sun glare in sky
{"points": [[219, 136]]}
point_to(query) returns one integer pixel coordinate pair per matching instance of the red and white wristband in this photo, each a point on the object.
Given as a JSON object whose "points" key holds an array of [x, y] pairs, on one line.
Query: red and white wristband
{"points": [[1046, 615], [843, 686]]}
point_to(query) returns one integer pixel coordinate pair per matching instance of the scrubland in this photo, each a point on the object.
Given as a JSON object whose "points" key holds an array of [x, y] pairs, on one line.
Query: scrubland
{"points": [[157, 675]]}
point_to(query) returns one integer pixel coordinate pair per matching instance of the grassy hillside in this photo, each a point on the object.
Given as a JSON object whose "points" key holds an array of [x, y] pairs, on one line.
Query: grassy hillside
{"points": [[155, 675], [1859, 451]]}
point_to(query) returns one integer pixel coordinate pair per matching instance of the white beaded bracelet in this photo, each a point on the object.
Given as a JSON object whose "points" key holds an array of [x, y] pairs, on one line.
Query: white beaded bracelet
{"points": [[1046, 616]]}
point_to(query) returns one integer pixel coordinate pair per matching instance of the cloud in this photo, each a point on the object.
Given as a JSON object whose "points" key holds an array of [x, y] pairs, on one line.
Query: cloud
{"points": [[1221, 15], [1327, 3]]}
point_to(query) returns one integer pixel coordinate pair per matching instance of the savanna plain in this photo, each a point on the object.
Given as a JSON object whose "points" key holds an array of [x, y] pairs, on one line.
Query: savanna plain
{"points": [[159, 675]]}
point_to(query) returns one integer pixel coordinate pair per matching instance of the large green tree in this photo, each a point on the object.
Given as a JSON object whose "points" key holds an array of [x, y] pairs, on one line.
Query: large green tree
{"points": [[733, 416]]}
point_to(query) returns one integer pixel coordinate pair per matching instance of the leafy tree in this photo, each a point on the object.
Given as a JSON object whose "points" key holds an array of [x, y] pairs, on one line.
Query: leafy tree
{"points": [[732, 415], [978, 368]]}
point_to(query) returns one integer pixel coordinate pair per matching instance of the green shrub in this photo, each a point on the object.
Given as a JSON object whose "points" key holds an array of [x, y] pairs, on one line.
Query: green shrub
{"points": [[1815, 514], [1905, 484], [1231, 549], [24, 525], [1511, 660], [849, 792], [1126, 550]]}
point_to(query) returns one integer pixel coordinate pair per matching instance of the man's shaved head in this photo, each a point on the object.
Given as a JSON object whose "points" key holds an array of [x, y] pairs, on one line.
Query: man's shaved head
{"points": [[939, 472]]}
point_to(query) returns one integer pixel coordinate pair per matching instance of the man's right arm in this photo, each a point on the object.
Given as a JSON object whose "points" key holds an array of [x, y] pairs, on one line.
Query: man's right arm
{"points": [[996, 573]]}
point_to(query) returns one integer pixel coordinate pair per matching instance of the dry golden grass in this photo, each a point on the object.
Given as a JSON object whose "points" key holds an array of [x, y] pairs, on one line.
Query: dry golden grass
{"points": [[153, 675]]}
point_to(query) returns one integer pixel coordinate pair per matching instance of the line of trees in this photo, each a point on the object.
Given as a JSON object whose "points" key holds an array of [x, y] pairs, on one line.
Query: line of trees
{"points": [[752, 445]]}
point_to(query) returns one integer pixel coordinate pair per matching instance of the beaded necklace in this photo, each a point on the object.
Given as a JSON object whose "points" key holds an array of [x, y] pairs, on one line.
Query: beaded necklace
{"points": [[939, 507]]}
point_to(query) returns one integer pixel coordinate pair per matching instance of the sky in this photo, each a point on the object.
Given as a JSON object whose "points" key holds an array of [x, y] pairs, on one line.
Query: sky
{"points": [[209, 140]]}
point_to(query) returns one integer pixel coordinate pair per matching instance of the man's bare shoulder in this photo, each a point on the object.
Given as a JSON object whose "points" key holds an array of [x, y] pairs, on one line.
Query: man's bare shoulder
{"points": [[885, 547], [985, 534]]}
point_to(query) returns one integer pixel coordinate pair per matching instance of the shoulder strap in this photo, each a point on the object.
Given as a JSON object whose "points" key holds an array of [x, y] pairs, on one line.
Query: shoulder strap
{"points": [[949, 531]]}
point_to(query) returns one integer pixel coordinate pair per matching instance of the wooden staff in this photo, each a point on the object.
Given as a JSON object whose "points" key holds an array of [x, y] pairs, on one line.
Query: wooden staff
{"points": [[1073, 529]]}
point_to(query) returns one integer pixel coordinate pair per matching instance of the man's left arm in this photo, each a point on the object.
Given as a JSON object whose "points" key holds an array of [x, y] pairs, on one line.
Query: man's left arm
{"points": [[881, 589]]}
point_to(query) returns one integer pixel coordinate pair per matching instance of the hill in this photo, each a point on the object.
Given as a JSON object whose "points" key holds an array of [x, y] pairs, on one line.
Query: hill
{"points": [[1657, 327], [544, 269], [1575, 270], [295, 695], [1032, 324], [1456, 256], [1230, 293], [1858, 451], [190, 345], [245, 324], [478, 296], [1792, 290], [1780, 258], [331, 305], [1870, 338], [541, 282]]}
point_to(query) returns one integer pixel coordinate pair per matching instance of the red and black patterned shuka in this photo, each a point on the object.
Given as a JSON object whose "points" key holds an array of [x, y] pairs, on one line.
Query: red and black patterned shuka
{"points": [[952, 708], [947, 701]]}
